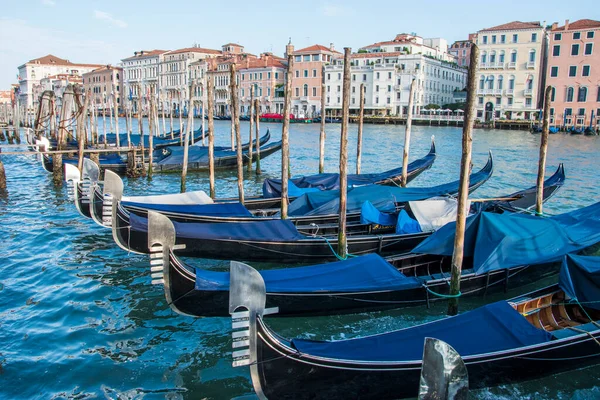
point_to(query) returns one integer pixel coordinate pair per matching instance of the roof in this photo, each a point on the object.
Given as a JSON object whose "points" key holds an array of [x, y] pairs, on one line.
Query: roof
{"points": [[580, 24], [146, 53], [105, 67], [232, 44], [195, 50], [53, 60], [315, 47], [377, 55], [514, 26], [260, 63]]}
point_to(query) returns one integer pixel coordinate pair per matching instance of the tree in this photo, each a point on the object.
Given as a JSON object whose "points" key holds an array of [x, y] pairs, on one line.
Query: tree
{"points": [[432, 106]]}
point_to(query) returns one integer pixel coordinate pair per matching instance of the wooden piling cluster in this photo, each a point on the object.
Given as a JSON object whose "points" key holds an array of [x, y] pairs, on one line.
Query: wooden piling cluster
{"points": [[463, 191]]}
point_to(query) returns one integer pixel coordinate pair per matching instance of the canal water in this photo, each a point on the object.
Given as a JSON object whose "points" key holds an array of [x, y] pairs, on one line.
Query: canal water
{"points": [[79, 318]]}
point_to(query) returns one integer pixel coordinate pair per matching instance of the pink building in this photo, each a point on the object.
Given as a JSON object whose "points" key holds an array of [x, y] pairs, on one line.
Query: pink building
{"points": [[574, 73], [265, 75], [307, 78], [461, 49], [102, 83]]}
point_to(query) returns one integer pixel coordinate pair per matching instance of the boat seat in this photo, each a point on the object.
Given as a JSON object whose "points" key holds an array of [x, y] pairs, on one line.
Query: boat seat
{"points": [[564, 333]]}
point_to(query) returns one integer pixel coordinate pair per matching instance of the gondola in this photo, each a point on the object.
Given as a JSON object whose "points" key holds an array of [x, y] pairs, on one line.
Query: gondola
{"points": [[157, 141], [236, 213], [543, 332], [331, 181], [274, 240], [576, 131], [363, 283]]}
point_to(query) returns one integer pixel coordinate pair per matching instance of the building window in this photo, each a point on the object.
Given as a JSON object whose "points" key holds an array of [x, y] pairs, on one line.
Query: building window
{"points": [[532, 56], [328, 89], [315, 57], [491, 82], [480, 101], [483, 57], [511, 83], [484, 40], [377, 77], [575, 50], [339, 76], [306, 73], [502, 39], [338, 99], [570, 93], [528, 102], [305, 90], [582, 95], [307, 57], [498, 101], [298, 58], [297, 74], [297, 92], [389, 100], [510, 101], [573, 70], [268, 75], [389, 88], [568, 111], [554, 72], [377, 88], [276, 75], [556, 50], [364, 77], [515, 38], [534, 37], [598, 96], [501, 58], [314, 73], [513, 57], [328, 100], [590, 35], [314, 91], [585, 70], [500, 80], [558, 36], [553, 94], [588, 48], [576, 35], [339, 88], [376, 100]]}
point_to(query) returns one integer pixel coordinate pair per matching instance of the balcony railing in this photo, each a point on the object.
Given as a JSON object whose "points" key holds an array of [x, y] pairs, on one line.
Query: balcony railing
{"points": [[304, 98], [531, 64], [498, 92], [528, 92], [510, 92], [512, 65]]}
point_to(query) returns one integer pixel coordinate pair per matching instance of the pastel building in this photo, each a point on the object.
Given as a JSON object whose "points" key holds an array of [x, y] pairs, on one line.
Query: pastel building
{"points": [[265, 74], [102, 83], [461, 50], [141, 71], [307, 78], [511, 69], [574, 73], [33, 71]]}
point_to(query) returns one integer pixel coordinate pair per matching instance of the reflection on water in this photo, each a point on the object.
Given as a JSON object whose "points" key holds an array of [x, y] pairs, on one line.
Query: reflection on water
{"points": [[79, 318]]}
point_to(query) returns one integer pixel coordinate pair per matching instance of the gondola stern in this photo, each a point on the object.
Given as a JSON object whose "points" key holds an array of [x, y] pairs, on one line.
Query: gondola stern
{"points": [[443, 373]]}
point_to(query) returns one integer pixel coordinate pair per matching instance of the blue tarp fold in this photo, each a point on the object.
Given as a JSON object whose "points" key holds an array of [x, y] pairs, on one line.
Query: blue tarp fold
{"points": [[488, 329], [216, 209], [369, 214], [499, 241], [359, 274], [580, 279]]}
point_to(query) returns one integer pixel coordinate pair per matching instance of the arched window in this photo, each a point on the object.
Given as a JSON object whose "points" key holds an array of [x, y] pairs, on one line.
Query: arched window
{"points": [[570, 93], [582, 95], [305, 90], [501, 57], [530, 82], [491, 82], [483, 57], [513, 56], [492, 57], [500, 81], [482, 82], [511, 82], [532, 56]]}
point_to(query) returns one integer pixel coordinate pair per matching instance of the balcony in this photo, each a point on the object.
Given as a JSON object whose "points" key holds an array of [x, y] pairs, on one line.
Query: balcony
{"points": [[304, 99], [531, 65], [529, 92], [510, 92], [498, 92], [512, 65]]}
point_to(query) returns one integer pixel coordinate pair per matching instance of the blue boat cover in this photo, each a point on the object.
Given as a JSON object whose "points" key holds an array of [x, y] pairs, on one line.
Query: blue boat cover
{"points": [[111, 138], [580, 279], [295, 191], [492, 328], [369, 214], [331, 181], [216, 209], [105, 159], [196, 154], [406, 224], [266, 231], [499, 241], [359, 274], [382, 197]]}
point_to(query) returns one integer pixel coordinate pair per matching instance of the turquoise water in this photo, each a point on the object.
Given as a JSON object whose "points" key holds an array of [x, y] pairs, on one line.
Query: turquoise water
{"points": [[79, 318]]}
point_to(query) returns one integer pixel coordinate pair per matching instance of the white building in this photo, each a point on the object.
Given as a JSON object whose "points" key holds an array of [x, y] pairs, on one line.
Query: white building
{"points": [[140, 73], [33, 71], [510, 76], [412, 44], [387, 77]]}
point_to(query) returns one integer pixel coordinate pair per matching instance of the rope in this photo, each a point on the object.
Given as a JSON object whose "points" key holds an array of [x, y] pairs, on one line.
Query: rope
{"points": [[445, 296], [340, 258]]}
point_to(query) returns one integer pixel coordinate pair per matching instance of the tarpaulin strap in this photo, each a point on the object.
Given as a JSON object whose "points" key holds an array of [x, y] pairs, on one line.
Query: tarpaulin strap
{"points": [[445, 296]]}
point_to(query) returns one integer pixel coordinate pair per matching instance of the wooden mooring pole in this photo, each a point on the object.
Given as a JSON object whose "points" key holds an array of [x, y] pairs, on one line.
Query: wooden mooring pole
{"points": [[360, 127], [411, 101], [257, 144], [81, 136], [186, 145], [235, 121], [65, 118], [322, 132], [342, 242], [463, 191], [152, 123], [285, 139], [116, 113], [251, 127], [539, 198], [2, 176], [211, 136]]}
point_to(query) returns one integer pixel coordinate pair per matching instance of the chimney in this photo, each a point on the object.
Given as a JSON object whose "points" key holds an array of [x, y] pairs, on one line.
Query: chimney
{"points": [[554, 26], [266, 58], [331, 47], [566, 25]]}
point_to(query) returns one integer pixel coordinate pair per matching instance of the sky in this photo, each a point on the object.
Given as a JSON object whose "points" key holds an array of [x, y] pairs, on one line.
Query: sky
{"points": [[104, 32]]}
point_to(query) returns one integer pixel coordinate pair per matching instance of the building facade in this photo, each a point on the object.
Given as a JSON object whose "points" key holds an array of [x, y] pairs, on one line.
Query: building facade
{"points": [[102, 83], [33, 71], [265, 75], [140, 72], [307, 78], [461, 50], [387, 78], [412, 44], [574, 73], [511, 69]]}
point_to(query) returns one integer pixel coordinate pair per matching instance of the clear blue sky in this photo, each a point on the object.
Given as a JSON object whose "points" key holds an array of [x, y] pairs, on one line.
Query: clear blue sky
{"points": [[92, 31]]}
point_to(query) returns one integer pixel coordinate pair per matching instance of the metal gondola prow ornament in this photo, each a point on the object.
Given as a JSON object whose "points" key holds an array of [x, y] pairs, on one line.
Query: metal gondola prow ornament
{"points": [[247, 291], [444, 375], [72, 177]]}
